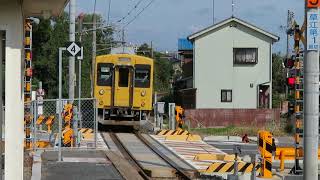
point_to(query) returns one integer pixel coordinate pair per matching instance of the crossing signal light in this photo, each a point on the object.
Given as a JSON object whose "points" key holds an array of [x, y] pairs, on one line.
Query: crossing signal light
{"points": [[290, 108], [297, 38], [291, 82], [289, 63]]}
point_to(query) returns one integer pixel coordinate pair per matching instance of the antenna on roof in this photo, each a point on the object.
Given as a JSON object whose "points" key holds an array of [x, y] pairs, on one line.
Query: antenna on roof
{"points": [[232, 8], [212, 11]]}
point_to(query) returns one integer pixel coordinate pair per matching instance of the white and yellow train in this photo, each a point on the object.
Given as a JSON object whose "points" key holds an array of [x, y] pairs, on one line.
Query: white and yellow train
{"points": [[123, 88]]}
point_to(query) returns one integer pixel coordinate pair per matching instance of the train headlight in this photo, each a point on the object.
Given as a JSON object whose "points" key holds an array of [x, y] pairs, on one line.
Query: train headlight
{"points": [[143, 93], [101, 102], [101, 92], [143, 104]]}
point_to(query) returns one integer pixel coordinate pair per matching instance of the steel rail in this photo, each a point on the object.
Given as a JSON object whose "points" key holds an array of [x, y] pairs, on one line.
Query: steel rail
{"points": [[180, 171], [126, 153]]}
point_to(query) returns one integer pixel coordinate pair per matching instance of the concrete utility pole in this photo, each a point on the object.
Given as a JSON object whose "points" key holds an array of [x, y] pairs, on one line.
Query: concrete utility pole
{"points": [[79, 76], [151, 48], [72, 37], [94, 46], [311, 102]]}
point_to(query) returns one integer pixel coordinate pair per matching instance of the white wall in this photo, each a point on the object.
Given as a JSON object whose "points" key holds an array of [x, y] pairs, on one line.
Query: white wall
{"points": [[11, 20], [214, 69]]}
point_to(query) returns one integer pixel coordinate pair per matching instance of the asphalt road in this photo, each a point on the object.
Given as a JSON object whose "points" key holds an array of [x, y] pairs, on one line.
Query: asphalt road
{"points": [[82, 165], [227, 147]]}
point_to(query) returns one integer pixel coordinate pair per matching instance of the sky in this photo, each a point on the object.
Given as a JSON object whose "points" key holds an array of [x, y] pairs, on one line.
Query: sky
{"points": [[164, 21]]}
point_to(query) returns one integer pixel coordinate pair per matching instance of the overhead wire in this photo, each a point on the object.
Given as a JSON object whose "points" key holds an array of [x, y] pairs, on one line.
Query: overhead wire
{"points": [[131, 11], [136, 16]]}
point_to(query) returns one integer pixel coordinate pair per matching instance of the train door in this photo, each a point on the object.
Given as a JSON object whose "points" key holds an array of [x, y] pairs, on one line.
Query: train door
{"points": [[123, 86]]}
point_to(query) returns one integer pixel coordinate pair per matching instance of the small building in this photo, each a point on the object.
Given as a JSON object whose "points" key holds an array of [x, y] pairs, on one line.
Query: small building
{"points": [[185, 50], [184, 92], [232, 66]]}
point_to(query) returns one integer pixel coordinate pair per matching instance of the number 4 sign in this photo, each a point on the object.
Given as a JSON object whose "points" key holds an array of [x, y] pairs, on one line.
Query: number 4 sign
{"points": [[74, 49]]}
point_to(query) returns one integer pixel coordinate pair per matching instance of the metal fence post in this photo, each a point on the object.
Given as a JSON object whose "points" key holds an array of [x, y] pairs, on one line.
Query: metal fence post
{"points": [[95, 122], [34, 124], [60, 102], [253, 173], [75, 125]]}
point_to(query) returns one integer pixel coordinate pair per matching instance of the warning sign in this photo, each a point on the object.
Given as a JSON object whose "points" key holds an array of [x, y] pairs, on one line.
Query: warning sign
{"points": [[313, 3]]}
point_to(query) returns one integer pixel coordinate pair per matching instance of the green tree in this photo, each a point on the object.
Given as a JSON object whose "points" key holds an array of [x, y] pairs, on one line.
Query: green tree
{"points": [[278, 80], [144, 50], [51, 34]]}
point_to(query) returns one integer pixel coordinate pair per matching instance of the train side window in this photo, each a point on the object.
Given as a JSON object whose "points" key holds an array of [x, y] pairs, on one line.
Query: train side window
{"points": [[142, 76], [104, 74], [123, 77]]}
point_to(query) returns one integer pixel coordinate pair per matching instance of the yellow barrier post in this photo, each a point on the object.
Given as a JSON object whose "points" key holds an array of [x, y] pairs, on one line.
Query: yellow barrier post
{"points": [[67, 133], [266, 147], [282, 158]]}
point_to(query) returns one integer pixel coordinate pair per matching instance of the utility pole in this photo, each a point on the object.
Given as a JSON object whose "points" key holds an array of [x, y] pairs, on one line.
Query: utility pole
{"points": [[72, 30], [232, 8], [94, 47], [79, 76], [151, 48], [311, 95], [108, 18], [123, 39]]}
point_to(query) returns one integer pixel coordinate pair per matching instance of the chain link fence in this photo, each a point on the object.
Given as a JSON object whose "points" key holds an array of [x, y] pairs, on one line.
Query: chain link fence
{"points": [[44, 124]]}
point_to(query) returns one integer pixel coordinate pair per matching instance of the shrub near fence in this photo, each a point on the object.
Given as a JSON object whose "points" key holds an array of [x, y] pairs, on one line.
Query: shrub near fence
{"points": [[229, 117]]}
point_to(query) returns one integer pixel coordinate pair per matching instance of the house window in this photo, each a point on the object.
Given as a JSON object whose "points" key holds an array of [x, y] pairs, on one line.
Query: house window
{"points": [[226, 95], [245, 55]]}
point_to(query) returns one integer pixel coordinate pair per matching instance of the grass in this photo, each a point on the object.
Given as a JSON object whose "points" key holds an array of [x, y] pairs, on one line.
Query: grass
{"points": [[236, 131]]}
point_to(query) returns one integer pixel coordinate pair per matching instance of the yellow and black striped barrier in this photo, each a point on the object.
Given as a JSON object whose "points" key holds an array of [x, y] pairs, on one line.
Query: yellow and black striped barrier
{"points": [[86, 133], [178, 135], [266, 147], [172, 132], [228, 168]]}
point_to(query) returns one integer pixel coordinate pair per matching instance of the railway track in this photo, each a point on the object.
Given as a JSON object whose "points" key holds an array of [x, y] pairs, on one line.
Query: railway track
{"points": [[128, 143], [127, 155]]}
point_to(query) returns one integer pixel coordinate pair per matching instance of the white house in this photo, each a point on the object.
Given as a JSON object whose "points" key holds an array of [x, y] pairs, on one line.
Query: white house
{"points": [[232, 66]]}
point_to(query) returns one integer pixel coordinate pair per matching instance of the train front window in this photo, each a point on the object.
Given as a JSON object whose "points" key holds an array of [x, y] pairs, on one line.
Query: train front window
{"points": [[104, 74], [123, 77], [142, 76]]}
